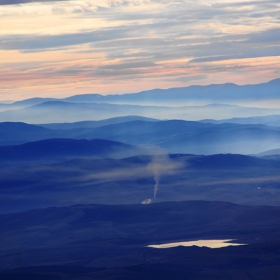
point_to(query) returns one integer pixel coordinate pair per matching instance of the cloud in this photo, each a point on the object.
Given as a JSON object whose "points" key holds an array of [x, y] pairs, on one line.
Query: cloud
{"points": [[15, 2], [44, 42], [259, 44], [265, 37], [161, 43], [187, 79], [130, 65]]}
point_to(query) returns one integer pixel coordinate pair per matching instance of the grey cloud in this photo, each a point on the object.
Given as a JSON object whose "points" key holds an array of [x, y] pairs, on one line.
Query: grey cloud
{"points": [[225, 47], [268, 3], [151, 50], [122, 69], [260, 44], [171, 38], [130, 65], [274, 15], [29, 42], [222, 68], [168, 28], [139, 43], [260, 7], [271, 35], [186, 79], [201, 49], [213, 58], [118, 72], [272, 51], [68, 72], [160, 48], [15, 2], [35, 43]]}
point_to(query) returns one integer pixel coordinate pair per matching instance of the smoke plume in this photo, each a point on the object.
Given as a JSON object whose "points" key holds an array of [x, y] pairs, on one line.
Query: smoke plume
{"points": [[156, 169], [161, 165]]}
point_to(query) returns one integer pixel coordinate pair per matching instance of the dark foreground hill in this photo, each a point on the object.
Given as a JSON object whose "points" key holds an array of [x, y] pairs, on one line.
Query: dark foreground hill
{"points": [[109, 242], [225, 177]]}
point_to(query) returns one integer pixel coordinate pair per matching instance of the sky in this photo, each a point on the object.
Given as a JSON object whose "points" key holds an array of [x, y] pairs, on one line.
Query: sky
{"points": [[62, 48]]}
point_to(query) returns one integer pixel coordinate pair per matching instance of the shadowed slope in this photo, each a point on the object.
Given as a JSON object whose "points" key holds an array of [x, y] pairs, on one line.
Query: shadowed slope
{"points": [[116, 236], [233, 178]]}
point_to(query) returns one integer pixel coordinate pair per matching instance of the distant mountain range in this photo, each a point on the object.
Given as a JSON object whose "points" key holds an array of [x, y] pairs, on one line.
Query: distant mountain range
{"points": [[175, 103], [211, 93], [61, 111], [271, 120]]}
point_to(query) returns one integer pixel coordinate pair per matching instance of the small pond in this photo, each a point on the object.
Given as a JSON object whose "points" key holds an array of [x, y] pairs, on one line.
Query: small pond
{"points": [[217, 243]]}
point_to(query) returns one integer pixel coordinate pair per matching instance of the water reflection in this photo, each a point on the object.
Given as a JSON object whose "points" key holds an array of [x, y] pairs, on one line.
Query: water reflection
{"points": [[218, 243]]}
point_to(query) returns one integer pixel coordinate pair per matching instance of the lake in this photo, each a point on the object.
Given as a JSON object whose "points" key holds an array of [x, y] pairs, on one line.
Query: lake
{"points": [[217, 243]]}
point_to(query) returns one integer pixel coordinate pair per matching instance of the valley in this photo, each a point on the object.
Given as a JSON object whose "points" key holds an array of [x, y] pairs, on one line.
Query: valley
{"points": [[88, 188]]}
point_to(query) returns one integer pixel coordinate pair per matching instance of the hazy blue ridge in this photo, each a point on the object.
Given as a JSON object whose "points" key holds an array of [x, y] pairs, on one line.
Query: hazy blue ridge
{"points": [[60, 112], [173, 136]]}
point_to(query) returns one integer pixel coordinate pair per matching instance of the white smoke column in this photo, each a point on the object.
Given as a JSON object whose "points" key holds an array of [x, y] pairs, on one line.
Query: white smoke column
{"points": [[161, 164], [156, 178]]}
